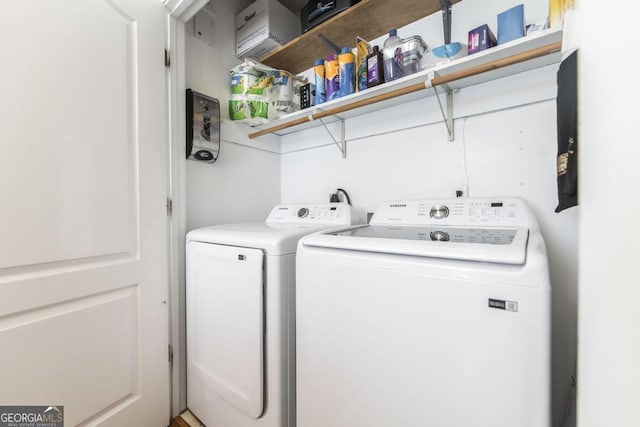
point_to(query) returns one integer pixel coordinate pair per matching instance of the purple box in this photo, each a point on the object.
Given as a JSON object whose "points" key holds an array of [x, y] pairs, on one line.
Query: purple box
{"points": [[480, 38]]}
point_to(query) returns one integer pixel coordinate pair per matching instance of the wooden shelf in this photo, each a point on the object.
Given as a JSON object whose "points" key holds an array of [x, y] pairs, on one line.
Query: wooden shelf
{"points": [[527, 53], [368, 19]]}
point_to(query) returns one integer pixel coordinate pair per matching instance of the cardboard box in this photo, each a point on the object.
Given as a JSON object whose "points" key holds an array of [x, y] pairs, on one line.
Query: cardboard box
{"points": [[263, 26], [480, 38], [511, 24]]}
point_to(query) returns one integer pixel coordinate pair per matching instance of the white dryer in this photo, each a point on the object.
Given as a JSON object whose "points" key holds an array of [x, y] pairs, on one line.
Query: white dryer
{"points": [[240, 316], [437, 313]]}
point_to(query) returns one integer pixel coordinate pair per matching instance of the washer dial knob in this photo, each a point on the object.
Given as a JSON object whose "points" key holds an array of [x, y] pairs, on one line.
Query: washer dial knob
{"points": [[303, 212], [439, 212], [439, 236]]}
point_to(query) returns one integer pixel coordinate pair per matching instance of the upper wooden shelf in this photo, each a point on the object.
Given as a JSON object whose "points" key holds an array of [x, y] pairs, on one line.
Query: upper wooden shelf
{"points": [[368, 19], [537, 50]]}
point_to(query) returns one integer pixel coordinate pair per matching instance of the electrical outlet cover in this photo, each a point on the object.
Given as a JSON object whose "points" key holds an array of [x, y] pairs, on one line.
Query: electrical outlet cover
{"points": [[204, 27]]}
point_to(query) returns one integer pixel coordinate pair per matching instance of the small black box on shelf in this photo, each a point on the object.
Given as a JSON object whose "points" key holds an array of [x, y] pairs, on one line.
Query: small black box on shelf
{"points": [[307, 95]]}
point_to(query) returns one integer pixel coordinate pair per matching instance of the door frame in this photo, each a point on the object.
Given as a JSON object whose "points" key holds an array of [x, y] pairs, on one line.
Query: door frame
{"points": [[178, 12]]}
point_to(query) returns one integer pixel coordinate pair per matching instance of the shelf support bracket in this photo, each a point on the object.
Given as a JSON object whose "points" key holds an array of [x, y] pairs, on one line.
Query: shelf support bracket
{"points": [[342, 144], [448, 117], [448, 114]]}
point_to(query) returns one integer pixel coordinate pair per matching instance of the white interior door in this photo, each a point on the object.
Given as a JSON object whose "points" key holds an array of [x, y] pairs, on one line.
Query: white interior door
{"points": [[83, 226]]}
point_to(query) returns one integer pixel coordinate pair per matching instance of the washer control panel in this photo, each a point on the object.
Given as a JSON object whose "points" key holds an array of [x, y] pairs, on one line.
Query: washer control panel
{"points": [[492, 211], [320, 214], [511, 211]]}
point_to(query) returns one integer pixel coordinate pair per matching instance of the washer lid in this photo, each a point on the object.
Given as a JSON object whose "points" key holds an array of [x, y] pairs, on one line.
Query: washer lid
{"points": [[280, 233], [504, 245], [276, 239]]}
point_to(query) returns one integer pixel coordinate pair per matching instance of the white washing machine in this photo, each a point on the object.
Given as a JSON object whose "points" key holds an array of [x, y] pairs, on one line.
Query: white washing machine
{"points": [[240, 316], [435, 314]]}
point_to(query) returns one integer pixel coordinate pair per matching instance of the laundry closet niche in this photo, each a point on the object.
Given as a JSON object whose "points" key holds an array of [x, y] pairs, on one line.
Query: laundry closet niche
{"points": [[504, 145]]}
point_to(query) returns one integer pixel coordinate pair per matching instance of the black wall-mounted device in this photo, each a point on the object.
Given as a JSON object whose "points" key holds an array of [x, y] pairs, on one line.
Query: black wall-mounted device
{"points": [[203, 127]]}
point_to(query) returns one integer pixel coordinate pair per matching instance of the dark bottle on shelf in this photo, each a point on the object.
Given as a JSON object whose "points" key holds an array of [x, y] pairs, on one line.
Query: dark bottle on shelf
{"points": [[375, 68]]}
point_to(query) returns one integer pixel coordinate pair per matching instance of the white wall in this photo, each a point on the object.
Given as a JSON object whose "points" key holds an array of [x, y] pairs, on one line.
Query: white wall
{"points": [[609, 149], [505, 144], [244, 184]]}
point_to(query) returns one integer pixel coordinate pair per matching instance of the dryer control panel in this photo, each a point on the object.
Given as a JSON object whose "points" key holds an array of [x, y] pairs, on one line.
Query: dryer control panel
{"points": [[507, 211], [337, 214]]}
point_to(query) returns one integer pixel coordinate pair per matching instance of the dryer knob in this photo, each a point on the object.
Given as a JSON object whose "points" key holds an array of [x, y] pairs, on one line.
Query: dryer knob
{"points": [[303, 212], [439, 236], [439, 212]]}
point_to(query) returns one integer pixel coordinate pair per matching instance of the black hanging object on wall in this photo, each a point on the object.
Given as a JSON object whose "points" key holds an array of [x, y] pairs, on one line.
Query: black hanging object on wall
{"points": [[567, 116], [446, 20], [203, 127]]}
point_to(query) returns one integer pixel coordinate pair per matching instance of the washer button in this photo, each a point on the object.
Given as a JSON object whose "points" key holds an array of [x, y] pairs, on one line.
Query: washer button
{"points": [[303, 212]]}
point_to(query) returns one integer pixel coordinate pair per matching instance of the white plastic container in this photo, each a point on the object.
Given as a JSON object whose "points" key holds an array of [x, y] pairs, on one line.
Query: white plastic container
{"points": [[445, 53]]}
